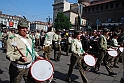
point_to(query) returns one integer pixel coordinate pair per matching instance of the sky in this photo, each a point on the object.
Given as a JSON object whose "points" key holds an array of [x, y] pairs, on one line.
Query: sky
{"points": [[33, 10]]}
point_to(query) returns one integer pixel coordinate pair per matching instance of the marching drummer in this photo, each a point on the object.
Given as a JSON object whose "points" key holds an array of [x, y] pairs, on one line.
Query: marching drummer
{"points": [[76, 58], [47, 46], [102, 45], [114, 44], [20, 52], [57, 46]]}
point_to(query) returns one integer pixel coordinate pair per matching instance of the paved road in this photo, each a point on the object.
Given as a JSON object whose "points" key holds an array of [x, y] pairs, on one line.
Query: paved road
{"points": [[61, 69]]}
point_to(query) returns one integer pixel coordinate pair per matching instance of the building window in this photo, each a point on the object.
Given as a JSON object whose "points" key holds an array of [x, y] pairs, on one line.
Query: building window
{"points": [[123, 3], [111, 5], [92, 8], [106, 7], [117, 4], [101, 7], [97, 8], [5, 22], [85, 10], [88, 9]]}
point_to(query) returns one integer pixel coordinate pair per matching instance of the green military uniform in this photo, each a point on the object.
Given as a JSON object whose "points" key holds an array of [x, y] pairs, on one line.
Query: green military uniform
{"points": [[18, 67], [102, 45], [102, 54], [76, 58], [48, 44], [57, 47]]}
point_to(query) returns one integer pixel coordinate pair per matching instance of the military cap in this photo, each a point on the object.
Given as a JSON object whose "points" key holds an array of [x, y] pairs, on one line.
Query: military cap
{"points": [[76, 33], [23, 22], [58, 30], [106, 30]]}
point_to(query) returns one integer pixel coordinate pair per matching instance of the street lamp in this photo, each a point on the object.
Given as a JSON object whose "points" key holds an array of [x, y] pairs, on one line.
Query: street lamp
{"points": [[49, 20]]}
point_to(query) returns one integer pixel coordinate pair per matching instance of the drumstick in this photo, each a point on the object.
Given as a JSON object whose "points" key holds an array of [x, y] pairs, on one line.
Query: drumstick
{"points": [[15, 45], [89, 49]]}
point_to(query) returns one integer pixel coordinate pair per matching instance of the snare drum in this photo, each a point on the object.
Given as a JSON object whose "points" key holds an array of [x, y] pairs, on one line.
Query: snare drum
{"points": [[112, 52], [42, 70], [121, 49], [89, 60]]}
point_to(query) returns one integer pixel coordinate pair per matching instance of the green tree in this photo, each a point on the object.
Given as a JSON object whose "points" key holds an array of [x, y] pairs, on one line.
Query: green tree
{"points": [[62, 22]]}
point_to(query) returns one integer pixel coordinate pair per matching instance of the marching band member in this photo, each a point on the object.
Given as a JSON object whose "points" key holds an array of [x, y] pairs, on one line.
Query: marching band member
{"points": [[20, 52], [47, 46], [70, 38], [37, 39], [76, 58], [57, 47], [114, 44], [102, 45]]}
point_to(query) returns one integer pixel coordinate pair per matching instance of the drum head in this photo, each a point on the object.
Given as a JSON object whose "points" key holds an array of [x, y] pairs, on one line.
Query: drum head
{"points": [[89, 60], [42, 70], [121, 49], [112, 52]]}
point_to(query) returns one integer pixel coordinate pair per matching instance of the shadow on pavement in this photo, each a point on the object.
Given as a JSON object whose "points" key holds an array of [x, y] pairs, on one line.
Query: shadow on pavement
{"points": [[1, 71], [61, 76]]}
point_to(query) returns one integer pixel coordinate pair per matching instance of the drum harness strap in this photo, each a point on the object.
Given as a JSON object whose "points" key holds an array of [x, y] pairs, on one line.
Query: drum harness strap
{"points": [[28, 48], [81, 49]]}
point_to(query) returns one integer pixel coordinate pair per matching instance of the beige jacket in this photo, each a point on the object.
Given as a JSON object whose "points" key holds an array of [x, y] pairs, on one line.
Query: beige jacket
{"points": [[48, 38], [14, 55], [77, 47], [57, 38]]}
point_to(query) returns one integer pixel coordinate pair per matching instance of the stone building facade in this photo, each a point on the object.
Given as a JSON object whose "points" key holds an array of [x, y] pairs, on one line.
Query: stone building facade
{"points": [[105, 13]]}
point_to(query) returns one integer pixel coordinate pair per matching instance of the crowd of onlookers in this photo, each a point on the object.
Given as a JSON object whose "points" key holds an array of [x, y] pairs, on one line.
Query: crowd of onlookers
{"points": [[88, 38]]}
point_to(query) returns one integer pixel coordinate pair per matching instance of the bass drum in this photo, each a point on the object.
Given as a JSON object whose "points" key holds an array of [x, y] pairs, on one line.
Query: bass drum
{"points": [[42, 71]]}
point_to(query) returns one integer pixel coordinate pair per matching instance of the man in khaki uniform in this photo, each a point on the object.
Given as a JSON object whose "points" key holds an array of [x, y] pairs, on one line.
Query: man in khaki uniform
{"points": [[21, 59], [47, 46], [70, 38], [76, 58], [57, 47], [4, 39], [102, 45], [115, 45]]}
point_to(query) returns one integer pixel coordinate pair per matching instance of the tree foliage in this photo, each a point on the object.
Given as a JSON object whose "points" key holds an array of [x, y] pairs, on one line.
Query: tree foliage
{"points": [[62, 22]]}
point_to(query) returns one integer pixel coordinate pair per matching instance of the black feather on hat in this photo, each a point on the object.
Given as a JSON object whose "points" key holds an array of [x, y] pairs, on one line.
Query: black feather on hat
{"points": [[23, 22]]}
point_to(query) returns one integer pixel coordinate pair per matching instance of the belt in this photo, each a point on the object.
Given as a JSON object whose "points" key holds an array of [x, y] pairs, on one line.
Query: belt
{"points": [[24, 66]]}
